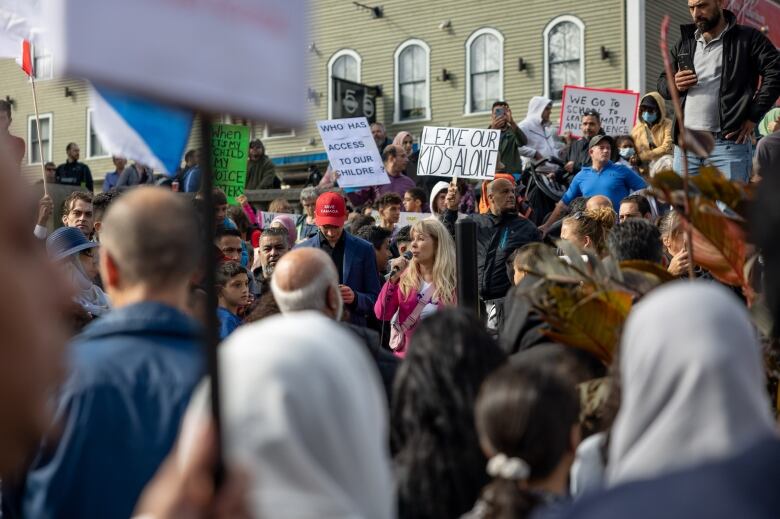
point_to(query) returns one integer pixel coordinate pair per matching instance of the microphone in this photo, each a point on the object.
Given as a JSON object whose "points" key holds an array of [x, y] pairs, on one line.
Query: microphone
{"points": [[408, 256]]}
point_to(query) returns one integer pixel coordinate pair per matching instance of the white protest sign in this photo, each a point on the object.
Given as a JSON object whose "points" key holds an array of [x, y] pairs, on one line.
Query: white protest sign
{"points": [[617, 109], [243, 57], [267, 217], [411, 218], [352, 152], [458, 152]]}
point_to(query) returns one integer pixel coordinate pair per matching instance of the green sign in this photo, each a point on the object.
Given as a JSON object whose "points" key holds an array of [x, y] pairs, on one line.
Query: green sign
{"points": [[230, 146]]}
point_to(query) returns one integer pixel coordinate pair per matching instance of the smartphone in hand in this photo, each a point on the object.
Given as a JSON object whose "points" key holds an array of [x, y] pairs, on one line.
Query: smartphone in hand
{"points": [[685, 61]]}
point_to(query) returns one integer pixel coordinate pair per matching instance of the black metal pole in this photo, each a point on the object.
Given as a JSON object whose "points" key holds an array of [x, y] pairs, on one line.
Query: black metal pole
{"points": [[211, 333], [466, 246]]}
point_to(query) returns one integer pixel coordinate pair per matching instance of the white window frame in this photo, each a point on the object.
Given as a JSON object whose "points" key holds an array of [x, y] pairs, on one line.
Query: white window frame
{"points": [[30, 120], [397, 87], [474, 35], [267, 137], [546, 37], [89, 138], [343, 52]]}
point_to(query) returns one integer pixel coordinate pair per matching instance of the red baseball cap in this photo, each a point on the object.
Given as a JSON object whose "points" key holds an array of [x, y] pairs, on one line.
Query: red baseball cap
{"points": [[330, 210]]}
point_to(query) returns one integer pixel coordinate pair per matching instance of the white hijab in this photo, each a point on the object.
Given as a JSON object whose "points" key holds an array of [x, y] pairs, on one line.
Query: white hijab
{"points": [[692, 383], [305, 414], [540, 136]]}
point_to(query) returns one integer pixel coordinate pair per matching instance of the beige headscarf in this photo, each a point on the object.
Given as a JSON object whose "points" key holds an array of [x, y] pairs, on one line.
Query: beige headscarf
{"points": [[692, 383], [305, 412]]}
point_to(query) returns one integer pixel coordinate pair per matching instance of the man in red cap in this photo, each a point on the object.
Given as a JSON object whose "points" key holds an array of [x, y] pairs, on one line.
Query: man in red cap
{"points": [[354, 258]]}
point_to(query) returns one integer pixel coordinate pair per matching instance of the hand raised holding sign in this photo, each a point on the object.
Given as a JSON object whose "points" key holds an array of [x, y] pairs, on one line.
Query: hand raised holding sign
{"points": [[453, 197]]}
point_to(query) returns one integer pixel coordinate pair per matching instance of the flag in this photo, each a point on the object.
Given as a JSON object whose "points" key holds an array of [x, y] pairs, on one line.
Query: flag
{"points": [[138, 129], [27, 64]]}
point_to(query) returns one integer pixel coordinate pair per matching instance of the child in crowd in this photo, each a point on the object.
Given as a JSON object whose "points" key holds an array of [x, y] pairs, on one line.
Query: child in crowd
{"points": [[626, 148], [233, 293]]}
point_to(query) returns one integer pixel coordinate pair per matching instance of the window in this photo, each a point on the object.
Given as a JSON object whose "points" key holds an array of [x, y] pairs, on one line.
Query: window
{"points": [[95, 148], [484, 70], [412, 95], [345, 64], [33, 153], [272, 131], [42, 64], [564, 43]]}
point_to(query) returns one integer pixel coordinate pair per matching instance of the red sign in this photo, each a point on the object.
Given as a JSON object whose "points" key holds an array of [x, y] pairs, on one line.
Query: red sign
{"points": [[764, 15]]}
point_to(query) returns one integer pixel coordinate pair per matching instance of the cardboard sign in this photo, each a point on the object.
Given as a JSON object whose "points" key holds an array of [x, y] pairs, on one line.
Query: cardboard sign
{"points": [[617, 108], [352, 152], [230, 148], [458, 152], [242, 57]]}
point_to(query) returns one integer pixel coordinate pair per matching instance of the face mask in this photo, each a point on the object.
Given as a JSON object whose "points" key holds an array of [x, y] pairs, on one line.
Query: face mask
{"points": [[627, 153], [649, 118]]}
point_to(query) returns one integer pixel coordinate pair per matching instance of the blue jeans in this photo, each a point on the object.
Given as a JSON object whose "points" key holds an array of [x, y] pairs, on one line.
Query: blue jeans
{"points": [[734, 160]]}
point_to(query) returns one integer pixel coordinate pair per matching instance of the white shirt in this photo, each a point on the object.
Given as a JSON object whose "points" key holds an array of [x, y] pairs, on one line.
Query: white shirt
{"points": [[431, 308]]}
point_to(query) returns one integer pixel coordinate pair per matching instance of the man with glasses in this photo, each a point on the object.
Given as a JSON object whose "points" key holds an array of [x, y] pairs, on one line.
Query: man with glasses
{"points": [[577, 156]]}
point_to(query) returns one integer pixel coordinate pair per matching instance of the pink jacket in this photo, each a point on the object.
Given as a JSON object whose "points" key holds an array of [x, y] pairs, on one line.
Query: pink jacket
{"points": [[391, 301]]}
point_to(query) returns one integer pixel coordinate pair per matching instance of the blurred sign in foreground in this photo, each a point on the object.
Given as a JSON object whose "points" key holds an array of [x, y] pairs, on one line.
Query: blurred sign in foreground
{"points": [[243, 57]]}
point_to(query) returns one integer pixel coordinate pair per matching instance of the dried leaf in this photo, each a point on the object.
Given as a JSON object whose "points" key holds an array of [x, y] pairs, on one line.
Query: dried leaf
{"points": [[648, 267], [698, 142], [593, 324], [713, 186]]}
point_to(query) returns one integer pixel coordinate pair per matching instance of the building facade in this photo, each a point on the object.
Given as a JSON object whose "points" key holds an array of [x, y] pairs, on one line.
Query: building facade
{"points": [[437, 63]]}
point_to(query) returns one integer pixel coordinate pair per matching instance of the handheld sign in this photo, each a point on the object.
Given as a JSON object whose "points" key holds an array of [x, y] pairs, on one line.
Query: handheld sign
{"points": [[617, 109], [469, 153], [230, 146], [352, 152]]}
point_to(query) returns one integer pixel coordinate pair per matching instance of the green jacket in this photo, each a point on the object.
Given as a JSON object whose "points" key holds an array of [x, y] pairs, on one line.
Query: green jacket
{"points": [[508, 154], [261, 174]]}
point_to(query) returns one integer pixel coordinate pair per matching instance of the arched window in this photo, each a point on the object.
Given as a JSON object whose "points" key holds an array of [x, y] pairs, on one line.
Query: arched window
{"points": [[412, 93], [484, 70], [345, 64], [564, 46]]}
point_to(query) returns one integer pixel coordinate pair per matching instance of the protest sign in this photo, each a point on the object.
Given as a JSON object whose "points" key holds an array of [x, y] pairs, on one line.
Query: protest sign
{"points": [[458, 152], [411, 218], [230, 146], [193, 53], [617, 109], [352, 152]]}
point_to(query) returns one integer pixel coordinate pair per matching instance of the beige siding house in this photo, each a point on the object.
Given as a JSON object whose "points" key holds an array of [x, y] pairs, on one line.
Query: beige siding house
{"points": [[450, 58]]}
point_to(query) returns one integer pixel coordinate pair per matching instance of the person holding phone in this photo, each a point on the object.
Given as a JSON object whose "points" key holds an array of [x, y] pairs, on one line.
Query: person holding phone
{"points": [[512, 137], [717, 64]]}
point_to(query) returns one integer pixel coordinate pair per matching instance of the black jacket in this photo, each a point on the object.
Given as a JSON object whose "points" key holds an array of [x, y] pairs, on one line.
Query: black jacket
{"points": [[497, 238], [74, 174], [747, 54]]}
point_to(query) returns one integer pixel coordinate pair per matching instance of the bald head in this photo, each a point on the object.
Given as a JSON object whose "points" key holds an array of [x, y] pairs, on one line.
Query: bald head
{"points": [[306, 279], [597, 202], [153, 237], [501, 196]]}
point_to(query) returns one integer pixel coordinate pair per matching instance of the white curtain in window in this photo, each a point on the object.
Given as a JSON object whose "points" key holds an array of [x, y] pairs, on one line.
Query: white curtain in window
{"points": [[485, 68], [345, 67], [564, 57], [412, 78]]}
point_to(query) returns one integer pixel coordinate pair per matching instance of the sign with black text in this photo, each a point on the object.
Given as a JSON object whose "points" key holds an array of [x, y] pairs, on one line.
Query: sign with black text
{"points": [[617, 109], [458, 152], [350, 99], [352, 152], [230, 148]]}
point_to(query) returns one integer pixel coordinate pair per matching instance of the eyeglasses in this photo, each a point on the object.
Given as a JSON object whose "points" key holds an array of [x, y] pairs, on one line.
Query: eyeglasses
{"points": [[592, 112]]}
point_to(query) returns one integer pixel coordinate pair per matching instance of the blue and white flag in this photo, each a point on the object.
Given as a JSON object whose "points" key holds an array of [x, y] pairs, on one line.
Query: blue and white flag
{"points": [[136, 128]]}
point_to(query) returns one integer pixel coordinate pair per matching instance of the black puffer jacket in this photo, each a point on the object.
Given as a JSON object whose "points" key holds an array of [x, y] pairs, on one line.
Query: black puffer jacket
{"points": [[747, 54], [497, 238]]}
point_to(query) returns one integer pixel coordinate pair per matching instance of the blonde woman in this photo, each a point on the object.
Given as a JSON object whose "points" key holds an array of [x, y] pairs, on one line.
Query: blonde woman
{"points": [[421, 286]]}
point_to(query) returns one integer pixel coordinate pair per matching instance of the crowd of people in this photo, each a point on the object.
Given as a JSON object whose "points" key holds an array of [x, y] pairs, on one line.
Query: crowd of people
{"points": [[353, 385]]}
